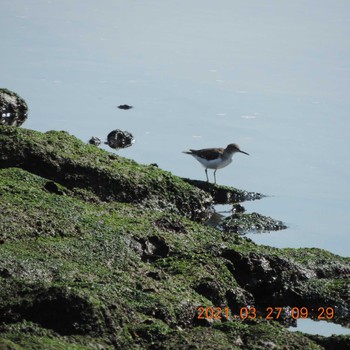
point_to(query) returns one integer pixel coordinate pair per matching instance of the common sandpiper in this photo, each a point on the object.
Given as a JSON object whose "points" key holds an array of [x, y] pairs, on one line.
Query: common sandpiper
{"points": [[215, 158]]}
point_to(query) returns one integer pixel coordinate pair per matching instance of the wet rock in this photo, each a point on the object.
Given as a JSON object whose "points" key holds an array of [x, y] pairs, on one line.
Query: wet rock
{"points": [[125, 107], [215, 219], [237, 208], [95, 141], [254, 222], [13, 108], [224, 194], [120, 139]]}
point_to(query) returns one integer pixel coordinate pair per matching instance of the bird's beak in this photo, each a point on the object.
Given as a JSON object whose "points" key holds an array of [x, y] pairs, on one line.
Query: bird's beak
{"points": [[245, 153]]}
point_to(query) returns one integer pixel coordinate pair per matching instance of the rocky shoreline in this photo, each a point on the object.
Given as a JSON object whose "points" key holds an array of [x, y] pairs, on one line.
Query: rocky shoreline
{"points": [[100, 252]]}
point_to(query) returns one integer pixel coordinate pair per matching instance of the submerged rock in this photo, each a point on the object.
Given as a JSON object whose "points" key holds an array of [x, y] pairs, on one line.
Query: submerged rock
{"points": [[125, 106], [13, 108]]}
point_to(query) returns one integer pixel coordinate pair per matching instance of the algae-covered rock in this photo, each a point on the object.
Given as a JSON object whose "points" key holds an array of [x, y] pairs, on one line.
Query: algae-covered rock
{"points": [[63, 158], [99, 252], [254, 222]]}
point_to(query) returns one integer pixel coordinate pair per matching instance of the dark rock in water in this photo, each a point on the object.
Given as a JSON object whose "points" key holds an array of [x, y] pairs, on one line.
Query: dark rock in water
{"points": [[224, 194], [13, 109], [119, 139], [94, 141], [126, 107]]}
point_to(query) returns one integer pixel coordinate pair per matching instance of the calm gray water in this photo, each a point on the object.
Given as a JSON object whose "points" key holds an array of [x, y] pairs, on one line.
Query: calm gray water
{"points": [[272, 76]]}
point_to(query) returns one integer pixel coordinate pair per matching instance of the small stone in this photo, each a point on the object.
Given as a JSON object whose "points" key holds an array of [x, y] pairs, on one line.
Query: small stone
{"points": [[95, 141], [13, 108], [237, 208], [120, 139]]}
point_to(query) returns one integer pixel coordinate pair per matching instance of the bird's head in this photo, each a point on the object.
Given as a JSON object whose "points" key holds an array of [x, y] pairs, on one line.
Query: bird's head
{"points": [[233, 148]]}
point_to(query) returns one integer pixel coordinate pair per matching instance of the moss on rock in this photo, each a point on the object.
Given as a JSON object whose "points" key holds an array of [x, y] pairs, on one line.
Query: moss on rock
{"points": [[83, 266]]}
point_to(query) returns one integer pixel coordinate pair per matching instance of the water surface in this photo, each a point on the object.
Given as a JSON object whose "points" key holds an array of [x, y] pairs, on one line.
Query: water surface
{"points": [[271, 76]]}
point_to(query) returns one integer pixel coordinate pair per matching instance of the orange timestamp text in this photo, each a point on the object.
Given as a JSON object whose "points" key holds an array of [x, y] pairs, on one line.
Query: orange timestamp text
{"points": [[270, 313]]}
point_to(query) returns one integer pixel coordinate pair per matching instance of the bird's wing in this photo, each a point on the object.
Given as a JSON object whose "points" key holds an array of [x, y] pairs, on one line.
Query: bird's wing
{"points": [[208, 153]]}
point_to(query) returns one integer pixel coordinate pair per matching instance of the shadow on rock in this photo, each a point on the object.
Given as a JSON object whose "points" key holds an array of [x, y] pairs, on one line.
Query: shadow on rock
{"points": [[58, 309]]}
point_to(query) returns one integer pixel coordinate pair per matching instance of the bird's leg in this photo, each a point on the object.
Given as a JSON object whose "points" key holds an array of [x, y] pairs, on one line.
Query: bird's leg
{"points": [[215, 176], [206, 173]]}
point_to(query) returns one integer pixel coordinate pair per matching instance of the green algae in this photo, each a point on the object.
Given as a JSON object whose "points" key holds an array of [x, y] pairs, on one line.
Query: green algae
{"points": [[27, 335], [79, 271], [68, 161]]}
